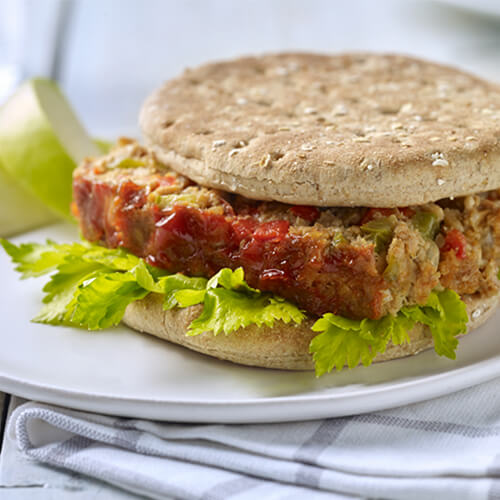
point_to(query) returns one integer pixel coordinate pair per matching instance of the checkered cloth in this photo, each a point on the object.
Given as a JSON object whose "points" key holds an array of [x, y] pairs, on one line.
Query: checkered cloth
{"points": [[447, 448]]}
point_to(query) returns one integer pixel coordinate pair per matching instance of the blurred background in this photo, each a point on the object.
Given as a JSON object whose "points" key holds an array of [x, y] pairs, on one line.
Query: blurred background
{"points": [[109, 54]]}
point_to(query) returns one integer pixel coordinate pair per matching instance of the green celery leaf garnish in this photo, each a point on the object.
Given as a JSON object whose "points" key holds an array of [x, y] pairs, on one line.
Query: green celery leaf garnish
{"points": [[446, 316], [231, 280], [100, 302], [350, 342], [182, 291], [229, 303], [34, 259], [228, 310], [61, 289]]}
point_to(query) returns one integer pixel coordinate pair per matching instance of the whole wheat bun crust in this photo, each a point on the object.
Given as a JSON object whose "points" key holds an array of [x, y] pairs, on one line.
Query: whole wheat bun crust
{"points": [[339, 130], [284, 346]]}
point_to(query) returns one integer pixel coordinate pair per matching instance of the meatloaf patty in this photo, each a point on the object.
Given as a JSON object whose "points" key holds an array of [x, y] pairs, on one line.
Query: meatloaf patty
{"points": [[356, 262]]}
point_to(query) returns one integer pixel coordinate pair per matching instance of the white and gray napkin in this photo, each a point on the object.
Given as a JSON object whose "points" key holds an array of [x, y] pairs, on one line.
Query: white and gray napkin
{"points": [[447, 448]]}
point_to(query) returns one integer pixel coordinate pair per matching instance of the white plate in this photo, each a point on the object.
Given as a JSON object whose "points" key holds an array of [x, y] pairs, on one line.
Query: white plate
{"points": [[125, 373]]}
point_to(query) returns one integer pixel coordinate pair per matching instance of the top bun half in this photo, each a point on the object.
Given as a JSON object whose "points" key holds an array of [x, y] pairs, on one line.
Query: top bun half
{"points": [[341, 130]]}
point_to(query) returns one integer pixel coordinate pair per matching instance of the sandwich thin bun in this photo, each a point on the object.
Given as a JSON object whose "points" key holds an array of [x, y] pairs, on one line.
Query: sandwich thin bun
{"points": [[341, 130], [285, 346]]}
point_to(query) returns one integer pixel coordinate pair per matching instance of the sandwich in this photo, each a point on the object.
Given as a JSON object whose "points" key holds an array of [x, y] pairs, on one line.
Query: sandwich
{"points": [[292, 211]]}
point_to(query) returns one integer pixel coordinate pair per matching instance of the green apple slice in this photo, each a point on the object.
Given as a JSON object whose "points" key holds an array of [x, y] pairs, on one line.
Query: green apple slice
{"points": [[19, 209], [41, 141]]}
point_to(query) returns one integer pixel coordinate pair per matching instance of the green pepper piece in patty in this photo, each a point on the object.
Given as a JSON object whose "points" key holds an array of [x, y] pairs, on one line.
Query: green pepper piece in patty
{"points": [[427, 223], [380, 230]]}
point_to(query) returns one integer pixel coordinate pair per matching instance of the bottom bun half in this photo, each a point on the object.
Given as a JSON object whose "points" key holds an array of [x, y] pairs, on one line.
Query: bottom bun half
{"points": [[284, 346]]}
